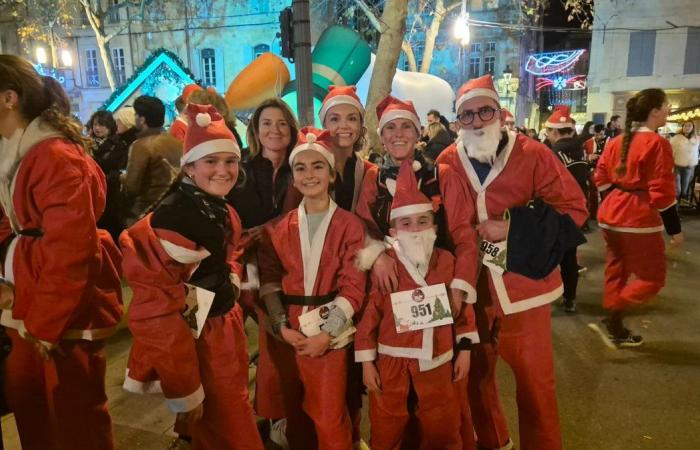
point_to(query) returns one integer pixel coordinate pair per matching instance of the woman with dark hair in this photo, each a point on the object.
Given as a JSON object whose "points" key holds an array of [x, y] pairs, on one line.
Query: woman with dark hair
{"points": [[61, 290], [685, 157], [100, 127], [636, 169]]}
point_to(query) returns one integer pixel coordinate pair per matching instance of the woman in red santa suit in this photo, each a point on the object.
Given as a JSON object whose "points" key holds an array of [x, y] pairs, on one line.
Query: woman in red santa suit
{"points": [[192, 237], [60, 295], [636, 169], [312, 290]]}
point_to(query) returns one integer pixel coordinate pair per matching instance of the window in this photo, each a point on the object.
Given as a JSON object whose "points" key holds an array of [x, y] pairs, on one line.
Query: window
{"points": [[474, 64], [476, 47], [92, 73], [260, 49], [640, 60], [489, 64], [490, 46], [119, 65], [208, 67], [692, 51]]}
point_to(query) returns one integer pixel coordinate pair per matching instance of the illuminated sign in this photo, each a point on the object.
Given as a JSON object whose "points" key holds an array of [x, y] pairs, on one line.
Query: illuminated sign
{"points": [[553, 62], [560, 83]]}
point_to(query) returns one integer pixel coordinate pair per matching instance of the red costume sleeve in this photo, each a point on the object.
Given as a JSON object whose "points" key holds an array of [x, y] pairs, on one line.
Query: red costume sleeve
{"points": [[368, 328], [236, 249], [662, 179], [352, 281], [368, 195], [601, 176], [271, 270]]}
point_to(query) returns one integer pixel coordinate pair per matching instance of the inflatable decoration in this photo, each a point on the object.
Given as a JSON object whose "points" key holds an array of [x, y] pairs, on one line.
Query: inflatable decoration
{"points": [[265, 77]]}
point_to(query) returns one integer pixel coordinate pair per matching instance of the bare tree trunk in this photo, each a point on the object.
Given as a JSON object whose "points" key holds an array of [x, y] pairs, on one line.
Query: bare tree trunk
{"points": [[410, 56], [103, 45], [432, 33], [393, 27]]}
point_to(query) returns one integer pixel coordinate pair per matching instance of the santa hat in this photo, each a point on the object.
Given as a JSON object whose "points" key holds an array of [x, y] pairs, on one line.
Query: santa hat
{"points": [[189, 89], [505, 114], [207, 133], [476, 87], [407, 198], [340, 95], [560, 118], [392, 108], [311, 138]]}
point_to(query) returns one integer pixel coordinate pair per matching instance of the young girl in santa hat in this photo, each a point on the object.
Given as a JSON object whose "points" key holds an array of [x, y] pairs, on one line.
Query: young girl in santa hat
{"points": [[312, 290], [192, 237]]}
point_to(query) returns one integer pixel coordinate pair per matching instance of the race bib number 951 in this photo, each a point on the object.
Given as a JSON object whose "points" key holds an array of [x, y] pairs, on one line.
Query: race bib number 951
{"points": [[423, 307]]}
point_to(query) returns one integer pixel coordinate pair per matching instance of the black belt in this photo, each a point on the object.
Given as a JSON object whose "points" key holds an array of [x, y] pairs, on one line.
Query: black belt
{"points": [[31, 232], [614, 186], [308, 300]]}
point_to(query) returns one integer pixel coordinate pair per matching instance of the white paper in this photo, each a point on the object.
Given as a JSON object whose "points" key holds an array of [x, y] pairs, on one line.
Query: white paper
{"points": [[310, 324], [423, 307], [197, 305], [493, 255]]}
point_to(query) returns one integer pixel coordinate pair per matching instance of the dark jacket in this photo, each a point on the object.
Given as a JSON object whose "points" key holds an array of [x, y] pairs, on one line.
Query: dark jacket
{"points": [[437, 144], [571, 153]]}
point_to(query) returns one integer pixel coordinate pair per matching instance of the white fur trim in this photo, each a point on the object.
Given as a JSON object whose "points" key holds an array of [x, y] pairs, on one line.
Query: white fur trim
{"points": [[409, 209], [641, 230], [315, 147], [252, 275], [472, 336], [203, 119], [9, 267], [398, 114], [369, 254], [339, 100], [345, 306], [140, 387], [668, 207], [269, 288], [188, 403], [439, 360], [549, 124], [207, 148], [235, 280], [311, 249], [94, 334], [522, 305], [183, 255], [604, 187], [365, 355], [465, 287], [480, 92]]}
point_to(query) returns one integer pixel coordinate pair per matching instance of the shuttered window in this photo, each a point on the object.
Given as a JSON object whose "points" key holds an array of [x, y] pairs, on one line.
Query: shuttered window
{"points": [[640, 60]]}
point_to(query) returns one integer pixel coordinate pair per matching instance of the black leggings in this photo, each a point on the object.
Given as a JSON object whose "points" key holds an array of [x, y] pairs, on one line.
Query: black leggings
{"points": [[569, 273]]}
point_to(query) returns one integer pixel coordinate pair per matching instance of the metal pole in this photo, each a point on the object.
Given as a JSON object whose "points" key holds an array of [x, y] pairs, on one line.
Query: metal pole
{"points": [[302, 61]]}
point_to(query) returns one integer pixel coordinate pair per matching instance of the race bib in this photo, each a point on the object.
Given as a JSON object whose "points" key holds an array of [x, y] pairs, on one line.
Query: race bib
{"points": [[493, 255], [310, 325], [423, 307], [198, 302]]}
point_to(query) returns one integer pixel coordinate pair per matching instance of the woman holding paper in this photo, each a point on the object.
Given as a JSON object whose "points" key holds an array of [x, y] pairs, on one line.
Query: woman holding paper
{"points": [[192, 237], [312, 290]]}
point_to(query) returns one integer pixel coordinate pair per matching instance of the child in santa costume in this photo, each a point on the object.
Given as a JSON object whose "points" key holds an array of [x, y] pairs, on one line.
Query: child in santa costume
{"points": [[402, 363], [60, 291], [636, 169], [312, 290], [192, 237]]}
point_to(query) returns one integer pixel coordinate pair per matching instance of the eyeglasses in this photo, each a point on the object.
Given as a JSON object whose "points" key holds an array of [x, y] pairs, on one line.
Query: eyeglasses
{"points": [[485, 113]]}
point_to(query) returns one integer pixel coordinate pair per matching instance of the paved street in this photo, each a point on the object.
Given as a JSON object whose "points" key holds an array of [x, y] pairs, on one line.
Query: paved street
{"points": [[646, 398]]}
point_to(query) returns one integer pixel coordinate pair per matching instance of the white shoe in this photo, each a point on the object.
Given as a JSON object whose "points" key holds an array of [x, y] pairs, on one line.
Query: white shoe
{"points": [[360, 445], [278, 433]]}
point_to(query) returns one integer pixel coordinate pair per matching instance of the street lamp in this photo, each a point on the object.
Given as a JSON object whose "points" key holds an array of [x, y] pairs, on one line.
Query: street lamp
{"points": [[66, 58], [461, 32], [507, 76]]}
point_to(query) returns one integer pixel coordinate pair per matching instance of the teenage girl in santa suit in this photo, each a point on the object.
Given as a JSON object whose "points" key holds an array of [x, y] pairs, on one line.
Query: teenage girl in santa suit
{"points": [[61, 294], [192, 237], [636, 169], [312, 290]]}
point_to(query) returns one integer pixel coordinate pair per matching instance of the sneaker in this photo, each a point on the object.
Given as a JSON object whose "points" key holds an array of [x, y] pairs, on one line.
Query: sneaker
{"points": [[278, 434], [569, 306], [582, 269], [627, 339]]}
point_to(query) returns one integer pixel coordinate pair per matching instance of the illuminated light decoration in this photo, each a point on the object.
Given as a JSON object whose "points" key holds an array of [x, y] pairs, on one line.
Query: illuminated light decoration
{"points": [[551, 63], [162, 75], [559, 83], [49, 72], [685, 115], [575, 83]]}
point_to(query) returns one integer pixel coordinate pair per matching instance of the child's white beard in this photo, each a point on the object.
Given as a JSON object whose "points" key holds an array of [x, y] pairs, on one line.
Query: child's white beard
{"points": [[482, 144], [417, 247]]}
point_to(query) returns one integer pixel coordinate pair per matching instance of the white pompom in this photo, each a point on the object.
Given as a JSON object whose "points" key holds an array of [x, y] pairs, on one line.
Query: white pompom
{"points": [[203, 119], [310, 138], [416, 166], [562, 119]]}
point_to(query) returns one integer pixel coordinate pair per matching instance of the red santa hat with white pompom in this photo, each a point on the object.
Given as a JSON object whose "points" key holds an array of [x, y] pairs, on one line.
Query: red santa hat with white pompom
{"points": [[207, 133], [560, 118], [311, 138], [392, 108], [408, 199], [476, 87], [340, 95]]}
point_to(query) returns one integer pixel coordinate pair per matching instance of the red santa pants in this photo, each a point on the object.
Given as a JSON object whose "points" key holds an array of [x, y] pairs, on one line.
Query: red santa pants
{"points": [[61, 403], [228, 422], [437, 412], [641, 255], [315, 392], [524, 341]]}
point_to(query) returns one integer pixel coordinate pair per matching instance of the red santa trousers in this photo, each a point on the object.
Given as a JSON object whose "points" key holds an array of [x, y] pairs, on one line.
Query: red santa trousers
{"points": [[228, 422], [315, 392], [524, 341], [437, 413], [61, 403], [633, 254]]}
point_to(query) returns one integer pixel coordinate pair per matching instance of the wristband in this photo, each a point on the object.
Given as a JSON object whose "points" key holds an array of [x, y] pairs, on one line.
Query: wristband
{"points": [[277, 325], [464, 344]]}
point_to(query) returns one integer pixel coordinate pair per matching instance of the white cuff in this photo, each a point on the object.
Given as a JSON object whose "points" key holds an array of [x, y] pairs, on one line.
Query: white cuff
{"points": [[365, 355], [345, 306], [669, 206], [472, 336], [235, 280], [188, 403], [369, 254], [183, 255], [463, 286], [141, 387], [269, 288]]}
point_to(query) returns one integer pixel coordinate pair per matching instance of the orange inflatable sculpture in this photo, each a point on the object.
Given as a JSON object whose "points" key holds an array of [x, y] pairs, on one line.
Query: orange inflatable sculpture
{"points": [[265, 77]]}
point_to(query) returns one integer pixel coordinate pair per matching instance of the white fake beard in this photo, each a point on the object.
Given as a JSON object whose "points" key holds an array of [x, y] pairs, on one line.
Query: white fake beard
{"points": [[417, 247], [482, 144]]}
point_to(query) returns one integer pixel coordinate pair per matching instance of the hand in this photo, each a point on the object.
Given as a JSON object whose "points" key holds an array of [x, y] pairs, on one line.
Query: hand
{"points": [[7, 296], [677, 240], [292, 337], [457, 300], [370, 376], [493, 230], [193, 415], [461, 365], [256, 233], [314, 346], [385, 274]]}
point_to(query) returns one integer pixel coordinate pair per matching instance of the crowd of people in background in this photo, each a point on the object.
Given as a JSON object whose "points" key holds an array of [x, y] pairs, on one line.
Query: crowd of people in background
{"points": [[321, 245]]}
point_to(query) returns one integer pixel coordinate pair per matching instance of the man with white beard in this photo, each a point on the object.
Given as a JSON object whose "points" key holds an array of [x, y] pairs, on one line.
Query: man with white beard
{"points": [[501, 170]]}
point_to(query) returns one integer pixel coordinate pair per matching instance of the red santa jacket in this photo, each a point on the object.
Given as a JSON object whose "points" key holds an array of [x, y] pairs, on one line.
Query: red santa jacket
{"points": [[65, 271], [646, 188], [525, 170], [178, 129], [295, 266], [157, 263], [459, 214], [376, 332]]}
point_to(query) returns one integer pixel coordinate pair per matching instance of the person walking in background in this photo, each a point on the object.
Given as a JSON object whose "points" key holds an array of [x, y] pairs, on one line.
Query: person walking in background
{"points": [[101, 126], [438, 140], [637, 171], [685, 158], [60, 291]]}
